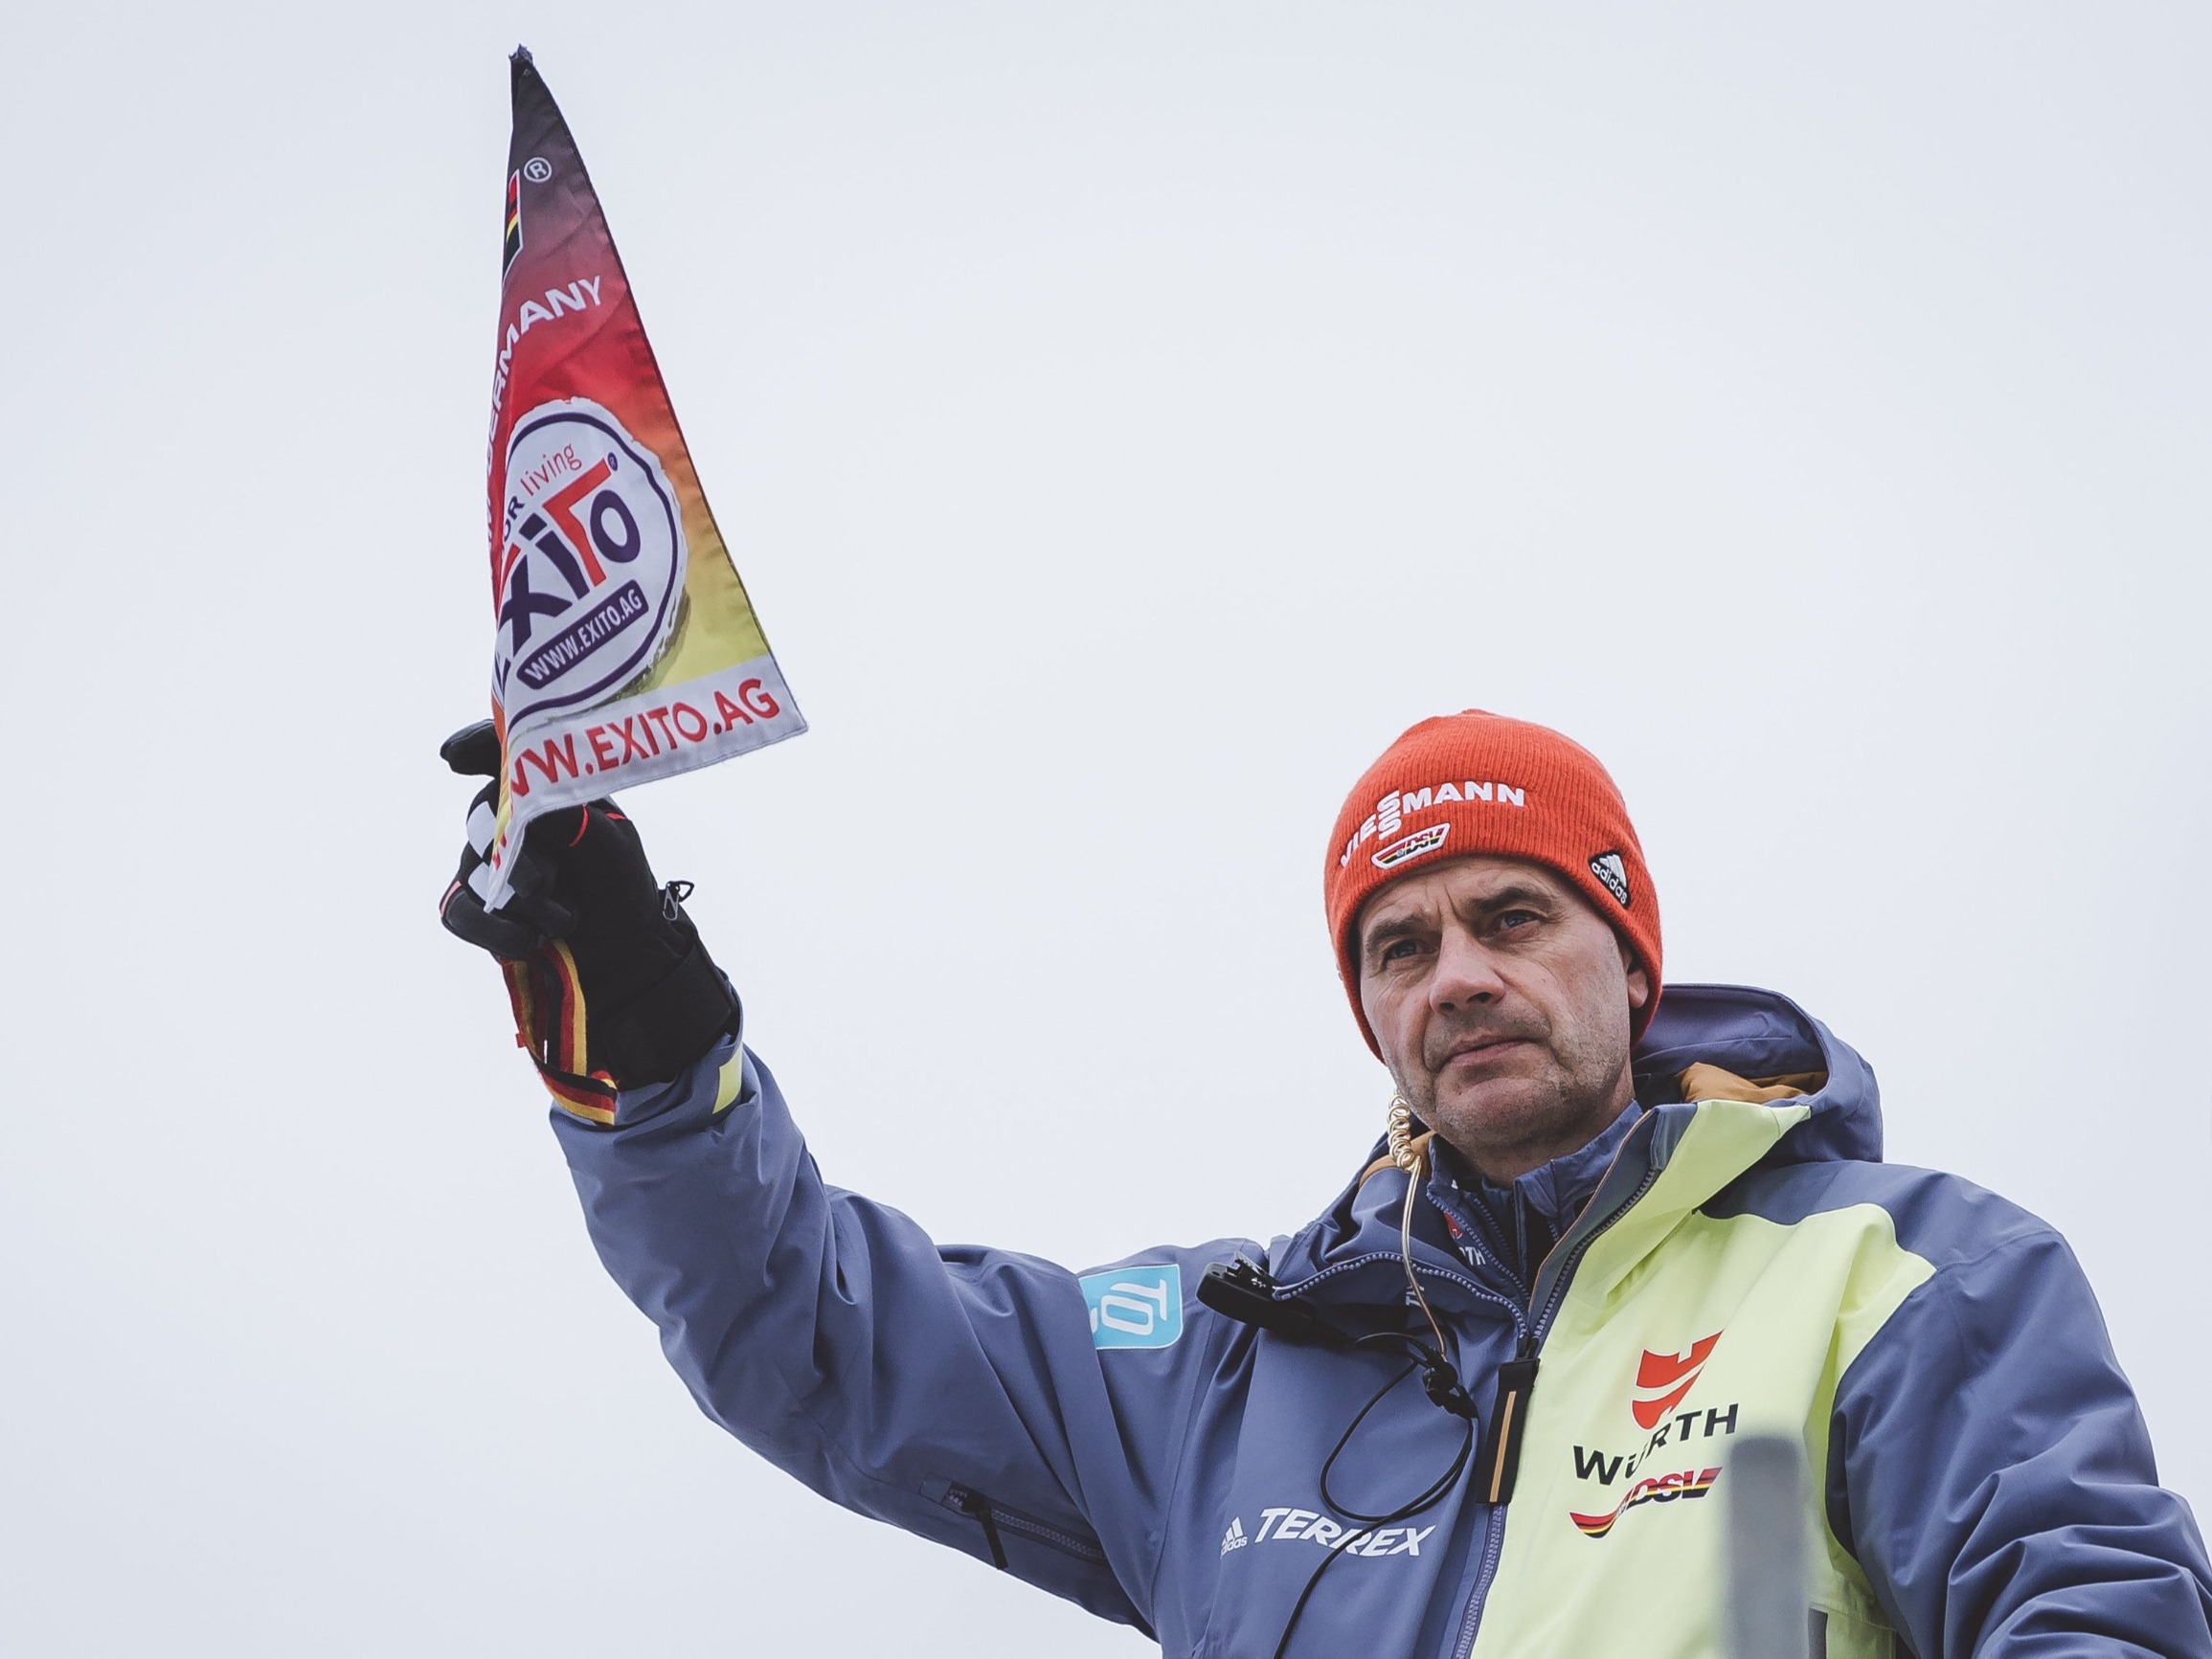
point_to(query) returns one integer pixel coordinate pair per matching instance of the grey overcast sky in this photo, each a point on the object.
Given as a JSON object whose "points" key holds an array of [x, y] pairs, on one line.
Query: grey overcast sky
{"points": [[1127, 418]]}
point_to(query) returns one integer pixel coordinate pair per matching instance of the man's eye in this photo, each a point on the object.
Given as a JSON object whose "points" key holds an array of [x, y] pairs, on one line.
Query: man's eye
{"points": [[1398, 950], [1517, 918]]}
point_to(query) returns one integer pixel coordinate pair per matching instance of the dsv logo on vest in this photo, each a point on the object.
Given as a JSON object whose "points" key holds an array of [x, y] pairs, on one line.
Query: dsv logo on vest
{"points": [[590, 569]]}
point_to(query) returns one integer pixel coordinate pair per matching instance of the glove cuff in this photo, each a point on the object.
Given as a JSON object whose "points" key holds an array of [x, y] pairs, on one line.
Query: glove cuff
{"points": [[548, 1025], [654, 1035], [586, 1056]]}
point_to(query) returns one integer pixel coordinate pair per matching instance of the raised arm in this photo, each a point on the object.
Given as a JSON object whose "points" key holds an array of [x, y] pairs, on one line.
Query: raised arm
{"points": [[962, 1393], [954, 1393]]}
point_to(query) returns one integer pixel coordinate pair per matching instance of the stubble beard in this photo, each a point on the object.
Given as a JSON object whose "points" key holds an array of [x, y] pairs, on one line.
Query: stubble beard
{"points": [[1519, 1122]]}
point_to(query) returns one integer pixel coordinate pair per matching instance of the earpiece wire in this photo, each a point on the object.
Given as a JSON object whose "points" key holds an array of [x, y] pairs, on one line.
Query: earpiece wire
{"points": [[1414, 1162]]}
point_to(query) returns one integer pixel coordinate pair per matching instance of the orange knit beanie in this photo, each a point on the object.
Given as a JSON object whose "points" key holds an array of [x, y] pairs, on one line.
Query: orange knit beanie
{"points": [[1481, 783]]}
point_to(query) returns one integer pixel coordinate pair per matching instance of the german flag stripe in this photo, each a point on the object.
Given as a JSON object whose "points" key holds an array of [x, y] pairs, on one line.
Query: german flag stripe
{"points": [[1686, 1484], [521, 999], [549, 1020], [513, 237], [574, 1056], [590, 1100]]}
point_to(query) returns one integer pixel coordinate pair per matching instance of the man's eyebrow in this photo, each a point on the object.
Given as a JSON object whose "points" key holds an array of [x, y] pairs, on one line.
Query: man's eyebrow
{"points": [[1519, 894], [1388, 928]]}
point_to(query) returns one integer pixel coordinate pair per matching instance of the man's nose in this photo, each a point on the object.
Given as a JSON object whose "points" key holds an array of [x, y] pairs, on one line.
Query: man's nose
{"points": [[1466, 973]]}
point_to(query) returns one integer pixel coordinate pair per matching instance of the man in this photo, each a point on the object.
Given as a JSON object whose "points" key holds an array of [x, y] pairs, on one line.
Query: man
{"points": [[1479, 1402]]}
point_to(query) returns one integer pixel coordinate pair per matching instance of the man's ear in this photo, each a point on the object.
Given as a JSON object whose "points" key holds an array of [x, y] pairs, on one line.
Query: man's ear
{"points": [[1638, 981]]}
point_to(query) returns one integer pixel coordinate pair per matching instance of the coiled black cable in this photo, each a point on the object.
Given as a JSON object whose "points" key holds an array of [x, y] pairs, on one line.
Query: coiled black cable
{"points": [[1438, 1377]]}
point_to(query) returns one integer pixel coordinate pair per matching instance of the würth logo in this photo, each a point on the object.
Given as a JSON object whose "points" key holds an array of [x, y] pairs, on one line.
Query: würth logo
{"points": [[1663, 1379], [1662, 1383]]}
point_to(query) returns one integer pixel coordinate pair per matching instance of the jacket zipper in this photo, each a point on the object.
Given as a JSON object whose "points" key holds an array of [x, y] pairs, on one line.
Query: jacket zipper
{"points": [[996, 1519], [1531, 1342]]}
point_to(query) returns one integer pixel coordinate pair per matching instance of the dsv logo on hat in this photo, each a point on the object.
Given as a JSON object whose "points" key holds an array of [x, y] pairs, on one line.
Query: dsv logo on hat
{"points": [[590, 566], [1411, 846]]}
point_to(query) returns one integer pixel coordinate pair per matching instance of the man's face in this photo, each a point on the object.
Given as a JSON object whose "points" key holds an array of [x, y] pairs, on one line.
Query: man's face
{"points": [[1502, 1002]]}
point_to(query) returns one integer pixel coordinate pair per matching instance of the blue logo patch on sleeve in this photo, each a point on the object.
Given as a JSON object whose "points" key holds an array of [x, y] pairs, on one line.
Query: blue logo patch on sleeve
{"points": [[1134, 1307]]}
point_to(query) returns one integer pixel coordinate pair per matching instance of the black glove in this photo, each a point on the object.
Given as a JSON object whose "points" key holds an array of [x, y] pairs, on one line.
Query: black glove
{"points": [[611, 985]]}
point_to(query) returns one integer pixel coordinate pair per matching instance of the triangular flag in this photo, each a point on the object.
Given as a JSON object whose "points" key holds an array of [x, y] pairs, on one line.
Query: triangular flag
{"points": [[626, 648]]}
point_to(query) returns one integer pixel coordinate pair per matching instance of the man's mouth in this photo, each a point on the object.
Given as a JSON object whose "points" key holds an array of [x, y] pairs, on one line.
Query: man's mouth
{"points": [[1477, 1050]]}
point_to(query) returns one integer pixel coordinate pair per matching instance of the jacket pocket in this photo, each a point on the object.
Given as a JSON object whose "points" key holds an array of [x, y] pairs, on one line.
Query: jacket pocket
{"points": [[1000, 1523]]}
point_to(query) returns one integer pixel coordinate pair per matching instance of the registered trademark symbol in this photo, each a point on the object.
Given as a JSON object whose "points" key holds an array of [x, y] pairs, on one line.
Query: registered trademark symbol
{"points": [[537, 170]]}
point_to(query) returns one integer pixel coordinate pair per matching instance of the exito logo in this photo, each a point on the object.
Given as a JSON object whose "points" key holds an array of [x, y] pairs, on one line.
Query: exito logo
{"points": [[591, 564]]}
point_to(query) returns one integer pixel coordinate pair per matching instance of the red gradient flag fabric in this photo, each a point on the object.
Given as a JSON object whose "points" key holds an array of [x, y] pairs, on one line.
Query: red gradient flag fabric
{"points": [[626, 648]]}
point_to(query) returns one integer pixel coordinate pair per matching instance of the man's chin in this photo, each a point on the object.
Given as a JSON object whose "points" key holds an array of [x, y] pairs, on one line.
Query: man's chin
{"points": [[1498, 1077], [1499, 1111]]}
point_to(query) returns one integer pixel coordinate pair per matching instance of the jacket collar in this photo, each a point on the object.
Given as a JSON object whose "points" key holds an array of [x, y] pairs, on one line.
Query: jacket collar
{"points": [[1522, 1220]]}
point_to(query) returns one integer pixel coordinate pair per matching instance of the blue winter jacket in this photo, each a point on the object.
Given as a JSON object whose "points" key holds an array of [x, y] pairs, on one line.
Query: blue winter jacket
{"points": [[1710, 1270]]}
